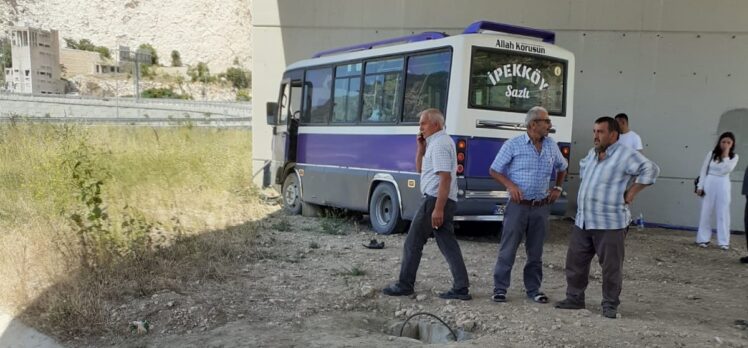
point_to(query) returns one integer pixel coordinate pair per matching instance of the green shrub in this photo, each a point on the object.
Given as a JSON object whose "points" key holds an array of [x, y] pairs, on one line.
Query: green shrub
{"points": [[165, 93], [239, 78], [87, 45], [152, 51], [176, 58], [200, 72], [243, 95]]}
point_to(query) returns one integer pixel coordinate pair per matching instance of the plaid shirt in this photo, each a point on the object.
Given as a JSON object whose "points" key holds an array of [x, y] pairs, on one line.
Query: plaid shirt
{"points": [[600, 203], [441, 156], [530, 170]]}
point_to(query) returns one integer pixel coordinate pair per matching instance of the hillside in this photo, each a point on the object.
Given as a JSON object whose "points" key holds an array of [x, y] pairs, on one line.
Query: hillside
{"points": [[213, 32]]}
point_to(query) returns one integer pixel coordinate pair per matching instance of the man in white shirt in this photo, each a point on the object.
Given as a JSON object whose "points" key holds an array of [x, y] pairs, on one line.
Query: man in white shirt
{"points": [[627, 136]]}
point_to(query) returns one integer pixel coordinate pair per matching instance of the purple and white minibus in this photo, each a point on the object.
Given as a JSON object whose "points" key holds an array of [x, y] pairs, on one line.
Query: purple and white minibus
{"points": [[345, 123]]}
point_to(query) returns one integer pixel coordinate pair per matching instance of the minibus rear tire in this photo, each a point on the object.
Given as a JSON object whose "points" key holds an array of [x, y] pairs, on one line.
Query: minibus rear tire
{"points": [[384, 210]]}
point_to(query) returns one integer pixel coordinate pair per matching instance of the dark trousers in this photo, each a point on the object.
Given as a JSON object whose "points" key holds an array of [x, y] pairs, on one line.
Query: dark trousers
{"points": [[419, 232], [745, 222], [530, 223], [583, 245]]}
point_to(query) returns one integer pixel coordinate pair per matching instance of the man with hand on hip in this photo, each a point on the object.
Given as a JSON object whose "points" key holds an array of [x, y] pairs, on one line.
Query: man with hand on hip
{"points": [[603, 215]]}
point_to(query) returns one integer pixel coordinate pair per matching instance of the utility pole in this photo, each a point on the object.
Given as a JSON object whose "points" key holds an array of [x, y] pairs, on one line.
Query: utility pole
{"points": [[141, 56]]}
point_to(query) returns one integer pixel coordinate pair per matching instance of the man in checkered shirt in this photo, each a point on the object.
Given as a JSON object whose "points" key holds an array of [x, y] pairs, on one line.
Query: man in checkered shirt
{"points": [[436, 160], [524, 166]]}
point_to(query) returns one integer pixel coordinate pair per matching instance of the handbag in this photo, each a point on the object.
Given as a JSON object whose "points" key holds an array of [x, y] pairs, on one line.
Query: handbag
{"points": [[696, 182]]}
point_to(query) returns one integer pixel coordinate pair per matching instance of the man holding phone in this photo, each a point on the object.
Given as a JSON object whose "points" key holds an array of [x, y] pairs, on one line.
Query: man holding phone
{"points": [[436, 160]]}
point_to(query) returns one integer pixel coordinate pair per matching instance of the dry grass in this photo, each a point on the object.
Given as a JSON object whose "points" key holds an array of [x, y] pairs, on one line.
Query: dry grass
{"points": [[178, 183]]}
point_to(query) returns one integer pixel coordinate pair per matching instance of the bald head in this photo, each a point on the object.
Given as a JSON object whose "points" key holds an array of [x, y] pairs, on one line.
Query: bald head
{"points": [[434, 116]]}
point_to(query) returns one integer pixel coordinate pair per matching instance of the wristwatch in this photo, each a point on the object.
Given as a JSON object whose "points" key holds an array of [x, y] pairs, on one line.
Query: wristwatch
{"points": [[558, 188]]}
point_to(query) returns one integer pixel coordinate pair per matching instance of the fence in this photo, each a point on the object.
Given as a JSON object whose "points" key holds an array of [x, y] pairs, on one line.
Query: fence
{"points": [[59, 108]]}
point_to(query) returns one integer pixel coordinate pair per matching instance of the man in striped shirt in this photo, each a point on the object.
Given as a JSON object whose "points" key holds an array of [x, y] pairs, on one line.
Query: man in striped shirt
{"points": [[603, 215]]}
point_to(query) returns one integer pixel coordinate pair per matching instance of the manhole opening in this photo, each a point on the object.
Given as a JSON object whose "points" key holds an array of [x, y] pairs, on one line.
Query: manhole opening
{"points": [[429, 331]]}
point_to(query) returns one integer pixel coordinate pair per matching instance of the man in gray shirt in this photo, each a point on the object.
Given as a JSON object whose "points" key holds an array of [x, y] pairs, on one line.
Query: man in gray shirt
{"points": [[436, 160]]}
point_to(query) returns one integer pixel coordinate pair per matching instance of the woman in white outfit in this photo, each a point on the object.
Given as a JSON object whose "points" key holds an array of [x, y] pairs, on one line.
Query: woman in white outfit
{"points": [[714, 188]]}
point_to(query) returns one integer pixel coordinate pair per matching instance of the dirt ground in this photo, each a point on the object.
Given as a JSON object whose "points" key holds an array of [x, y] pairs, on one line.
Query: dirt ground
{"points": [[309, 287]]}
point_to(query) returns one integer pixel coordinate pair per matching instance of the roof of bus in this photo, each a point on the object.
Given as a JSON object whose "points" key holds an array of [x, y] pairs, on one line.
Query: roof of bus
{"points": [[449, 41]]}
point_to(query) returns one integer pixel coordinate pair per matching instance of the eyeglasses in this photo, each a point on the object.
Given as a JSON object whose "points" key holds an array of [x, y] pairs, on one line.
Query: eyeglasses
{"points": [[546, 120]]}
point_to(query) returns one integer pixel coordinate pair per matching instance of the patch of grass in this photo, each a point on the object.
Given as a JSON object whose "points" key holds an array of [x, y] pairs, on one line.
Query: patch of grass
{"points": [[333, 223], [313, 245], [144, 195], [282, 226], [355, 271]]}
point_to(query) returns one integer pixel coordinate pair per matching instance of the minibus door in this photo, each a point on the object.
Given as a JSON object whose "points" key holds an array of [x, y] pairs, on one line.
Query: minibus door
{"points": [[285, 127]]}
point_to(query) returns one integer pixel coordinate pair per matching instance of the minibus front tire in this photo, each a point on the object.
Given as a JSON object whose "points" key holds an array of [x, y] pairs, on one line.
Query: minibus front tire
{"points": [[291, 195]]}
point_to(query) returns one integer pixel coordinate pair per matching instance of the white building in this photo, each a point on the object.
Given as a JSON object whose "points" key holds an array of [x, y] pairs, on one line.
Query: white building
{"points": [[677, 68], [36, 61], [79, 62]]}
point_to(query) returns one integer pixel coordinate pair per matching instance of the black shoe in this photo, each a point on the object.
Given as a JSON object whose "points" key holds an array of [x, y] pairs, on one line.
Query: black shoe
{"points": [[569, 304], [498, 298], [744, 259], [396, 290], [456, 295], [610, 312]]}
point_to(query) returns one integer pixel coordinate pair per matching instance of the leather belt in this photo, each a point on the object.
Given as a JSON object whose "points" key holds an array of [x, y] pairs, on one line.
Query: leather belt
{"points": [[535, 202]]}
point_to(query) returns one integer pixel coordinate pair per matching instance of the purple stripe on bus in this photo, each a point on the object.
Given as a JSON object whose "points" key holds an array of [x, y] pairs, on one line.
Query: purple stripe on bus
{"points": [[386, 152]]}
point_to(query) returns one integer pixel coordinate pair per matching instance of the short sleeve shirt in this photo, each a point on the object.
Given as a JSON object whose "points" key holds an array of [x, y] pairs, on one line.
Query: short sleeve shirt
{"points": [[441, 156]]}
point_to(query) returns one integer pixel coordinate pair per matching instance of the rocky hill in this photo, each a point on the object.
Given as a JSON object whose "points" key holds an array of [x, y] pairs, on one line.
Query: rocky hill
{"points": [[215, 32]]}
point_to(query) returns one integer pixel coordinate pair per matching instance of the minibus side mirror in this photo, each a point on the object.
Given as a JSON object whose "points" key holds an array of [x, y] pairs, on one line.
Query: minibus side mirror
{"points": [[272, 113]]}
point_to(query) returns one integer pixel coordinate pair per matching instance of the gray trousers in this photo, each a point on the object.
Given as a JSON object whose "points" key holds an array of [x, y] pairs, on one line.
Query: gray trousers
{"points": [[530, 223], [419, 232], [609, 247]]}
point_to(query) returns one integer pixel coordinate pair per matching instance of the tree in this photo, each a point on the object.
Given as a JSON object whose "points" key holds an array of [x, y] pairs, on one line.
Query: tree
{"points": [[87, 45], [239, 77], [70, 43], [103, 52], [152, 51], [200, 72], [176, 59]]}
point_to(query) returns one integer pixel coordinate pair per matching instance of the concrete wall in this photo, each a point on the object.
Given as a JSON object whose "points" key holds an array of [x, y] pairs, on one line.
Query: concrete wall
{"points": [[124, 109], [674, 66]]}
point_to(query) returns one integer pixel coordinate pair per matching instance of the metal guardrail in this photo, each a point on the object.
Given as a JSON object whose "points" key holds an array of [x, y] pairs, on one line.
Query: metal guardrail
{"points": [[242, 122], [198, 113], [167, 101]]}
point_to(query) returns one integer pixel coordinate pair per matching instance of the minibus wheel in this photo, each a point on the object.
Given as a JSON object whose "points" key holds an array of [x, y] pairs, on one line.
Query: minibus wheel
{"points": [[384, 210], [291, 195]]}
